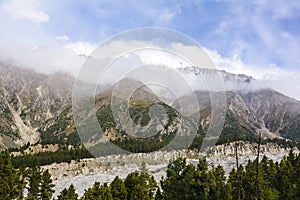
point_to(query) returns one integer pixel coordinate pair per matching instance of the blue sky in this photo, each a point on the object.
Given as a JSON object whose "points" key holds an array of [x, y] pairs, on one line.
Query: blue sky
{"points": [[260, 38]]}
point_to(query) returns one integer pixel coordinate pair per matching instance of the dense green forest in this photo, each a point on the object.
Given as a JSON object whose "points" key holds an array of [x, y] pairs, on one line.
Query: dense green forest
{"points": [[15, 181], [264, 180], [46, 158]]}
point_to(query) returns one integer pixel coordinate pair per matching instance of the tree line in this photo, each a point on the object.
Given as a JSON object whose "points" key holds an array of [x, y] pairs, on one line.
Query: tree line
{"points": [[46, 158], [15, 183]]}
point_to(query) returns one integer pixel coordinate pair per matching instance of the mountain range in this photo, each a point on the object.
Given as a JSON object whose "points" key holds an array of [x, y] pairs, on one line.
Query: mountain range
{"points": [[37, 108]]}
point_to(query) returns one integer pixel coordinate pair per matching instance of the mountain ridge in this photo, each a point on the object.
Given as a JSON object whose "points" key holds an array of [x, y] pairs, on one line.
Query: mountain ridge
{"points": [[42, 104]]}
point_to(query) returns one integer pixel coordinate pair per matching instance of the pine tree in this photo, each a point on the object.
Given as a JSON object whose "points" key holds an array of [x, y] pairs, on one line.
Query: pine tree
{"points": [[140, 186], [249, 181], [68, 194], [234, 184], [204, 180], [217, 183], [187, 182], [34, 179], [40, 184], [285, 183], [92, 193], [12, 182], [105, 192], [98, 192], [46, 190], [170, 185], [118, 189], [269, 177]]}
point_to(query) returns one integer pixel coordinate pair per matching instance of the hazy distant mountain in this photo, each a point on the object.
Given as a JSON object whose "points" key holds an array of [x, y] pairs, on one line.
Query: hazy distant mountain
{"points": [[226, 76]]}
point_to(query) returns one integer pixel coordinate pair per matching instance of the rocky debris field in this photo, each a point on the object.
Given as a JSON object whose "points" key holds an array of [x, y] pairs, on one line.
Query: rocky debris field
{"points": [[83, 173]]}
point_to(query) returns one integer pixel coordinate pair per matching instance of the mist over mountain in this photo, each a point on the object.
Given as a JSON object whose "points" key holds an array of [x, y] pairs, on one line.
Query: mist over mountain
{"points": [[34, 105]]}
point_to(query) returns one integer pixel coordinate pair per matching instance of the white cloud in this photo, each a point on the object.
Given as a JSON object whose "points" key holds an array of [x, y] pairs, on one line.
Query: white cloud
{"points": [[81, 48], [270, 76], [235, 65], [287, 85], [43, 59], [28, 10], [159, 57], [49, 57]]}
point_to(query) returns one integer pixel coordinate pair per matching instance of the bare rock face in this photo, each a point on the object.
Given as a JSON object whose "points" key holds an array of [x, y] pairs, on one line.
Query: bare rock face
{"points": [[27, 99]]}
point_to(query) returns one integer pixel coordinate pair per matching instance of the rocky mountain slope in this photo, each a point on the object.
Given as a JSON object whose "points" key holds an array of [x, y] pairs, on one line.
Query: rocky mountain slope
{"points": [[37, 107], [250, 113], [142, 124], [26, 100], [276, 112]]}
